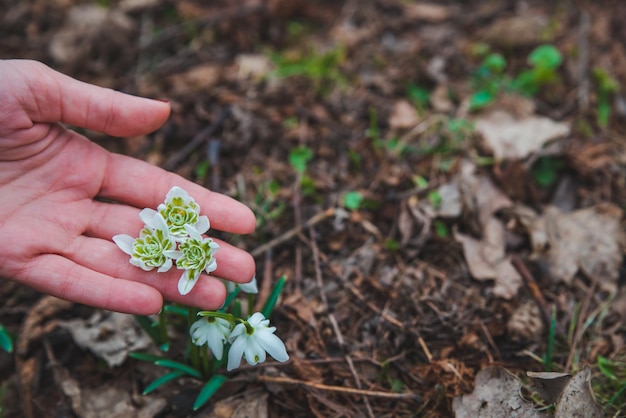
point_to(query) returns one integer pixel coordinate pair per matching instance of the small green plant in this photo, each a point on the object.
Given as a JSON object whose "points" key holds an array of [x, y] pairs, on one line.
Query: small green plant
{"points": [[419, 96], [610, 387], [546, 169], [606, 86], [352, 200], [544, 61], [489, 79], [323, 68], [391, 145], [299, 158]]}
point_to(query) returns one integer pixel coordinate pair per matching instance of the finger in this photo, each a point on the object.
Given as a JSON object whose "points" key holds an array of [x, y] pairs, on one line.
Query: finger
{"points": [[49, 96], [60, 277], [142, 185]]}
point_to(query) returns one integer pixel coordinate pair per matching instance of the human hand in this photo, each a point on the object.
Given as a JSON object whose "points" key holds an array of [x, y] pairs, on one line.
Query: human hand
{"points": [[55, 235]]}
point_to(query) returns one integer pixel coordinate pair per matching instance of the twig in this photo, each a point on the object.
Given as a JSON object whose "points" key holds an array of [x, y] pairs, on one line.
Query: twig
{"points": [[341, 389], [532, 285], [293, 232], [197, 140]]}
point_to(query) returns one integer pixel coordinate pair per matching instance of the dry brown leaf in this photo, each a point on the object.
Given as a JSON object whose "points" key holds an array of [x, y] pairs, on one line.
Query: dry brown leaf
{"points": [[522, 30], [431, 12], [587, 239], [109, 335], [549, 385], [403, 115], [199, 78], [496, 395], [577, 400], [526, 323], [511, 138], [486, 259]]}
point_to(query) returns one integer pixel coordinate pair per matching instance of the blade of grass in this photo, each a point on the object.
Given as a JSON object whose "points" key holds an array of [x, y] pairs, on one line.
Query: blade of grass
{"points": [[209, 390], [179, 366], [162, 380], [268, 307]]}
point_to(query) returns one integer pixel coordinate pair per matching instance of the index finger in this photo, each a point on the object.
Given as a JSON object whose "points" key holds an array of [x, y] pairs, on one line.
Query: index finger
{"points": [[137, 183]]}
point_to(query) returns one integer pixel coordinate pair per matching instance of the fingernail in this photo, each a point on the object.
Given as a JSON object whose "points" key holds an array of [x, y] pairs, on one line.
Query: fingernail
{"points": [[162, 100]]}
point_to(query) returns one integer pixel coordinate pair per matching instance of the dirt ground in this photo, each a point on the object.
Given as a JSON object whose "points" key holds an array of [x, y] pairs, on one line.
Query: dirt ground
{"points": [[420, 246]]}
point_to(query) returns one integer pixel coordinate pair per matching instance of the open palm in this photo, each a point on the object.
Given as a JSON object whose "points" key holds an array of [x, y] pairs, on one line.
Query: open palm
{"points": [[56, 222]]}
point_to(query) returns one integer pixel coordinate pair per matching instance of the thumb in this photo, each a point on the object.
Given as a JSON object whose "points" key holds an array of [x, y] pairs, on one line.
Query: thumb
{"points": [[45, 95]]}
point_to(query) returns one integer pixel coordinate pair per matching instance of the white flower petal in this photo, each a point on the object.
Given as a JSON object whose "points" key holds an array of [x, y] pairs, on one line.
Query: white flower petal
{"points": [[203, 224], [250, 287], [166, 266], [147, 216], [273, 345], [236, 352], [185, 284], [125, 243], [176, 192], [193, 233], [254, 353], [211, 266], [175, 254]]}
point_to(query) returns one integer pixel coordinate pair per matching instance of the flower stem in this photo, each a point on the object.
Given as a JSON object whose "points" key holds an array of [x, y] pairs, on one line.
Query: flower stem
{"points": [[194, 355]]}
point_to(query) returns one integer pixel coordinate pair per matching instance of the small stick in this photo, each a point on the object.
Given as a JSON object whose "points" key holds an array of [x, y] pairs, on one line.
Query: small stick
{"points": [[532, 285], [341, 389]]}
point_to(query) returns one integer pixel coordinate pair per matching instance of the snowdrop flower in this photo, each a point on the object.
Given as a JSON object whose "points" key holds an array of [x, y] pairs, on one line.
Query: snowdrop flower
{"points": [[179, 210], [250, 287], [150, 249], [211, 331], [251, 340], [195, 255]]}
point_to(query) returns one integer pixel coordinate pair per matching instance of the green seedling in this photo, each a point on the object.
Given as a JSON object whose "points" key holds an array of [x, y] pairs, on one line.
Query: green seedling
{"points": [[353, 200], [546, 169], [419, 96], [606, 87], [323, 68], [544, 61]]}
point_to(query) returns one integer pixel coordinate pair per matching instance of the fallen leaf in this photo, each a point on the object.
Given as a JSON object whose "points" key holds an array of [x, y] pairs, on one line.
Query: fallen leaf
{"points": [[486, 259], [255, 66], [430, 12], [108, 335], [577, 398], [512, 138], [587, 239], [403, 115], [496, 395], [199, 78], [525, 324], [549, 385], [522, 30]]}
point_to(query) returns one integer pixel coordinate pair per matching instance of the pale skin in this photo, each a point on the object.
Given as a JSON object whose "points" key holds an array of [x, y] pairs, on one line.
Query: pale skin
{"points": [[55, 232]]}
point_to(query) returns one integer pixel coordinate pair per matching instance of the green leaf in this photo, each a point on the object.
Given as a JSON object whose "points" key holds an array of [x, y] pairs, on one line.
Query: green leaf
{"points": [[150, 358], [171, 364], [209, 390], [177, 310], [545, 56], [162, 380], [299, 158], [269, 304], [606, 367], [352, 200], [495, 63], [6, 342], [481, 99]]}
